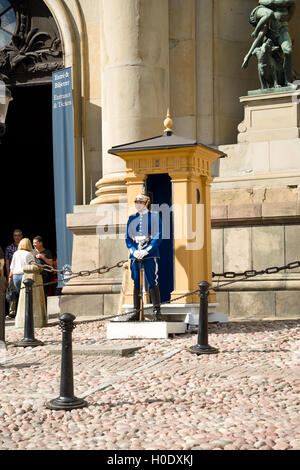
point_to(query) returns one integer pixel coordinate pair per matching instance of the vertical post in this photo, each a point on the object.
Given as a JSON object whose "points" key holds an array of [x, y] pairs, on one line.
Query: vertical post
{"points": [[29, 339], [203, 347], [141, 291], [66, 399]]}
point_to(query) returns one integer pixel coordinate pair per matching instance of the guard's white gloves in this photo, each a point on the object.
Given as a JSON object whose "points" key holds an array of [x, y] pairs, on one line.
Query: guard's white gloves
{"points": [[140, 254], [143, 253]]}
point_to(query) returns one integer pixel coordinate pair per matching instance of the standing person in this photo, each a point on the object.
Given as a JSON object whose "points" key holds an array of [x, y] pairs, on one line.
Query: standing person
{"points": [[143, 237], [43, 257], [21, 258], [9, 252]]}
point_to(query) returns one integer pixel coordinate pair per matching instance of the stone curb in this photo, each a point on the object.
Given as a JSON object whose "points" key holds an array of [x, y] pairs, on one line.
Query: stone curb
{"points": [[96, 350]]}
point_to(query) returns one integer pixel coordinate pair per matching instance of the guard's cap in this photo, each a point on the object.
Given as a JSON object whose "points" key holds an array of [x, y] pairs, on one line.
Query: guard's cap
{"points": [[142, 198]]}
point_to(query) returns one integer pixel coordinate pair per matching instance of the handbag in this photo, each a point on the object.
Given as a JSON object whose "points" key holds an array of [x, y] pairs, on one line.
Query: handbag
{"points": [[11, 293]]}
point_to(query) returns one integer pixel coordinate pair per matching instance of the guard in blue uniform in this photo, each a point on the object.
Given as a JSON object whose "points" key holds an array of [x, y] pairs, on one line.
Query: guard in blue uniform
{"points": [[143, 237]]}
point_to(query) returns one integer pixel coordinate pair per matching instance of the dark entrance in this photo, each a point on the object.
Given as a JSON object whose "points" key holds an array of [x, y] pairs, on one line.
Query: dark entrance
{"points": [[27, 186], [159, 189]]}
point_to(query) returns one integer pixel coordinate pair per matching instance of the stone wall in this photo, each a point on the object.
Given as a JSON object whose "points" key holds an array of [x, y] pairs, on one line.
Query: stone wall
{"points": [[256, 247], [264, 305]]}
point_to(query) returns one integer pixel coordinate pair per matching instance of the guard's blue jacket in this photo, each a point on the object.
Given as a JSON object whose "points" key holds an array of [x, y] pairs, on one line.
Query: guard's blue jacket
{"points": [[146, 224]]}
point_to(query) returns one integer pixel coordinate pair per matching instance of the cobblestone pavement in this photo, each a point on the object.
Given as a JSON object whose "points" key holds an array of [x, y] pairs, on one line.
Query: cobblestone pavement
{"points": [[162, 396]]}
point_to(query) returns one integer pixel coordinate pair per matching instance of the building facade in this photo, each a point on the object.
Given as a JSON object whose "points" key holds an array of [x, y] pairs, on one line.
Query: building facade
{"points": [[131, 61]]}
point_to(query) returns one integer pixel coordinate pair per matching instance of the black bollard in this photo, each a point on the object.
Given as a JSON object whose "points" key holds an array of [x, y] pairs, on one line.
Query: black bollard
{"points": [[66, 400], [29, 339], [203, 347]]}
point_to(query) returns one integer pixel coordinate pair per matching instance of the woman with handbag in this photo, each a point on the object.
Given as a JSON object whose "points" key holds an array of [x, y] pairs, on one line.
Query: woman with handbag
{"points": [[21, 258]]}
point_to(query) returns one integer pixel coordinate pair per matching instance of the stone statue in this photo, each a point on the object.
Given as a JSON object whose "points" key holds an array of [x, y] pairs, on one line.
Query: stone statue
{"points": [[270, 19], [269, 70]]}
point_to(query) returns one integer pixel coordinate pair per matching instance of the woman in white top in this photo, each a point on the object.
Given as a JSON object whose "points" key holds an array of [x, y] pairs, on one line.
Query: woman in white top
{"points": [[20, 259]]}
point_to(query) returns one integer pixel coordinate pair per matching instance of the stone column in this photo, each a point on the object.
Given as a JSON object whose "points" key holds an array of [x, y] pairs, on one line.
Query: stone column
{"points": [[38, 299], [205, 71], [135, 85], [183, 66]]}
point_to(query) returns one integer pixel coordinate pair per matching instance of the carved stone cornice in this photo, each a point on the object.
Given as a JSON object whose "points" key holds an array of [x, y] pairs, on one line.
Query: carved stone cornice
{"points": [[35, 49]]}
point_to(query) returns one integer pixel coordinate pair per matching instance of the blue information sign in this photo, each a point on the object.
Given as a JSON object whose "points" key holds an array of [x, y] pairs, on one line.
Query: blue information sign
{"points": [[63, 161]]}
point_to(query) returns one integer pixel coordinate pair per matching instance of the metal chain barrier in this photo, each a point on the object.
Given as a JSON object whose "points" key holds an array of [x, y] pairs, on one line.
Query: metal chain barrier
{"points": [[100, 270], [68, 274], [253, 273]]}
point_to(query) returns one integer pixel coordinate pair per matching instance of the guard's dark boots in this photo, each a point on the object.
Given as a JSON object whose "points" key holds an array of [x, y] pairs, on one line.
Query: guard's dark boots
{"points": [[155, 298], [135, 316]]}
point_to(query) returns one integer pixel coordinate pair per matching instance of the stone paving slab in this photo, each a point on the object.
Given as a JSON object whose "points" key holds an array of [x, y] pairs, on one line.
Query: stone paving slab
{"points": [[160, 397], [95, 350]]}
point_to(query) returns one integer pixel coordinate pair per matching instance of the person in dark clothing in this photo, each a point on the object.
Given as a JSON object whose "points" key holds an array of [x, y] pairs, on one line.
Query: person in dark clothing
{"points": [[43, 257], [143, 238]]}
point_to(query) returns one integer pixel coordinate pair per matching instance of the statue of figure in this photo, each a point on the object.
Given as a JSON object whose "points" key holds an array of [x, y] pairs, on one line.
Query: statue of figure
{"points": [[270, 19], [269, 72]]}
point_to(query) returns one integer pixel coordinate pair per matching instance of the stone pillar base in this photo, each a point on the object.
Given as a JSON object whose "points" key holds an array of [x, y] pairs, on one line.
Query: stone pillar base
{"points": [[270, 116], [111, 190], [267, 152]]}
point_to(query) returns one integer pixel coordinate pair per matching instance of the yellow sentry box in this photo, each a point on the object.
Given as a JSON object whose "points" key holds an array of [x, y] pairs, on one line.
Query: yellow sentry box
{"points": [[188, 164]]}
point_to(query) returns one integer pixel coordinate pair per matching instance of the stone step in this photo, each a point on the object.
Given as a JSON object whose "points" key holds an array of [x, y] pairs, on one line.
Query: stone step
{"points": [[143, 329]]}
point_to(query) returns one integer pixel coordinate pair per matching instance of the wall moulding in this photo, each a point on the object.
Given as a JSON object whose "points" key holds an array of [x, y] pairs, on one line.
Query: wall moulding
{"points": [[184, 162], [64, 24]]}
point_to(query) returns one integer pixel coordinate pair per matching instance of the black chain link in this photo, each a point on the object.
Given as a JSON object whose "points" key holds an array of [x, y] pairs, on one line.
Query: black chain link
{"points": [[252, 273], [71, 274], [227, 275], [83, 273]]}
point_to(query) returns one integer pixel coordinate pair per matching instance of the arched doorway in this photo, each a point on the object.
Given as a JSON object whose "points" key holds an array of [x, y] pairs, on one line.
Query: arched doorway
{"points": [[30, 50], [27, 166]]}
